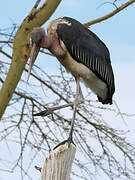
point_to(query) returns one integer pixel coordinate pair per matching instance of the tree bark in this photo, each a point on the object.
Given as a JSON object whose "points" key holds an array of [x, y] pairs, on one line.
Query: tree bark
{"points": [[21, 49], [58, 163]]}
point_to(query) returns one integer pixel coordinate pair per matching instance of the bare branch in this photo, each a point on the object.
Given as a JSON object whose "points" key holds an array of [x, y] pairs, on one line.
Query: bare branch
{"points": [[110, 14], [37, 3]]}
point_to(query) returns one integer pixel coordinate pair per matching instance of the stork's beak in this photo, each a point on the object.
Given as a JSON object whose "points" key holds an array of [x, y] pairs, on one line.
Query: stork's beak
{"points": [[37, 35], [33, 55]]}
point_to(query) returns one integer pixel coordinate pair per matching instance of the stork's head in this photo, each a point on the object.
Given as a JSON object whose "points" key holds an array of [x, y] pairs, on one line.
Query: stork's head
{"points": [[40, 39], [37, 37]]}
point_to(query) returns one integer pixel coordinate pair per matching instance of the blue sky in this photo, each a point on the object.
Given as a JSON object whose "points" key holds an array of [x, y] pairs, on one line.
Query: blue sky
{"points": [[117, 33]]}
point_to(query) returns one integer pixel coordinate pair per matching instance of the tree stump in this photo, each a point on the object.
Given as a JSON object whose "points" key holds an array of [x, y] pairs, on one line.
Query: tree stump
{"points": [[58, 163]]}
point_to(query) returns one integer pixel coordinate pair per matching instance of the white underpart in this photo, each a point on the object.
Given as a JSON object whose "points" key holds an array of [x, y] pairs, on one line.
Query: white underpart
{"points": [[96, 85]]}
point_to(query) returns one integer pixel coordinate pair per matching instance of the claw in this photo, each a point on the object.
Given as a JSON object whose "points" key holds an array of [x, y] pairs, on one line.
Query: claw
{"points": [[70, 140], [63, 142], [44, 113]]}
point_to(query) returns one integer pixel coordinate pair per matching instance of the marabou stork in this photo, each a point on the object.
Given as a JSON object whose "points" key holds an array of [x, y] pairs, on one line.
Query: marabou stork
{"points": [[82, 54]]}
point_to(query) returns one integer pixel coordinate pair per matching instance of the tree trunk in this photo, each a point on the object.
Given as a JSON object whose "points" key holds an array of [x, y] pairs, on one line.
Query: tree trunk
{"points": [[21, 49]]}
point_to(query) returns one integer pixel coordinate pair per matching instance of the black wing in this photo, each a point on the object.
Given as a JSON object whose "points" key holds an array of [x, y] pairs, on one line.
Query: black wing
{"points": [[85, 47]]}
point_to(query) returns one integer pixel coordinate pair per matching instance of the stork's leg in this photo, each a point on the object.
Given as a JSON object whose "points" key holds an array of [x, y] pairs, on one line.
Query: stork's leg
{"points": [[76, 102], [51, 110], [78, 99]]}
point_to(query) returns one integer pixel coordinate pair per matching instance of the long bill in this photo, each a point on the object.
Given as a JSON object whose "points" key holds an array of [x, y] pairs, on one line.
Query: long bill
{"points": [[33, 55]]}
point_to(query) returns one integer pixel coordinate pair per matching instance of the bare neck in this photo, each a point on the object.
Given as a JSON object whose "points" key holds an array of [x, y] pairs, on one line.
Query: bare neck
{"points": [[53, 45], [47, 42]]}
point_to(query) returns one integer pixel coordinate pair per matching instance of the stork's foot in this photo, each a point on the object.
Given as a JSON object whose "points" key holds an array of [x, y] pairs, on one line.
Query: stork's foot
{"points": [[69, 141], [63, 142], [45, 112]]}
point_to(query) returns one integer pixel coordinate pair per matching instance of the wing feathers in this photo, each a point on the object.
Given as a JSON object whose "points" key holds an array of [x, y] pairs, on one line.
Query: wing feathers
{"points": [[96, 64], [86, 48]]}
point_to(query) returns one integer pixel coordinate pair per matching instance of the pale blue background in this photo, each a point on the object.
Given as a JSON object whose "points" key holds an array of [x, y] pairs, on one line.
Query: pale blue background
{"points": [[118, 33]]}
